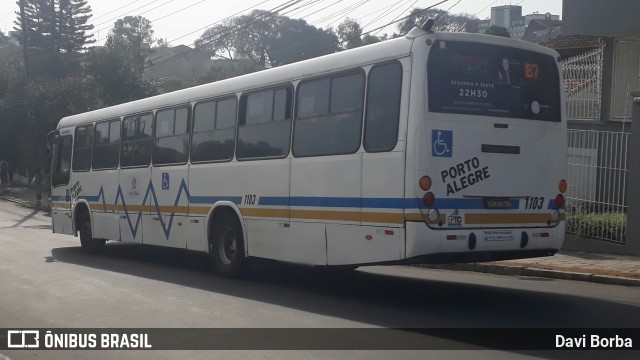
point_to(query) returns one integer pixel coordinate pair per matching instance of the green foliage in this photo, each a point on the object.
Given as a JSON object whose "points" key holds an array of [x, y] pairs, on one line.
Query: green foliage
{"points": [[498, 31], [444, 21], [116, 71], [267, 39], [55, 31], [608, 225], [350, 34]]}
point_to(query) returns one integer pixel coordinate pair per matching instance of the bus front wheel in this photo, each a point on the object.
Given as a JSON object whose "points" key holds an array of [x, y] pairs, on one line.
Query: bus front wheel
{"points": [[89, 244], [227, 246]]}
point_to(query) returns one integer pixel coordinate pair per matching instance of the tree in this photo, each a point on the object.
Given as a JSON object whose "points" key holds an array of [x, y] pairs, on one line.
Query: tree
{"points": [[295, 40], [54, 31], [349, 33], [498, 31], [3, 38], [116, 70], [444, 21], [267, 39], [132, 37], [73, 18]]}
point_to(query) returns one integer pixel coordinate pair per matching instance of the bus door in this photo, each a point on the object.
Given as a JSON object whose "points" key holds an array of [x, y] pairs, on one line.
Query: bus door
{"points": [[168, 223], [135, 174], [326, 172], [60, 196]]}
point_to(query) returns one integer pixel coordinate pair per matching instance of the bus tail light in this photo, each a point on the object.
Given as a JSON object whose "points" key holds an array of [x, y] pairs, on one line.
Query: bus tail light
{"points": [[559, 201], [425, 183], [562, 186], [555, 215], [428, 199]]}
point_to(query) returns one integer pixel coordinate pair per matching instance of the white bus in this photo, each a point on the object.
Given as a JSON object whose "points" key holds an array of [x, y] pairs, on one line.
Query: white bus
{"points": [[433, 147]]}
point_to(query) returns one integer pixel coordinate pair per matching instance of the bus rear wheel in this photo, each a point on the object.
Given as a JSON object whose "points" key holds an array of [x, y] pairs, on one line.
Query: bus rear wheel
{"points": [[89, 244], [227, 246]]}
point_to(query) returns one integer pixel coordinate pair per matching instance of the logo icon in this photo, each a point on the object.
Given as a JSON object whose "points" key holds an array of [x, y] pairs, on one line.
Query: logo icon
{"points": [[442, 141], [134, 182], [165, 181], [454, 219], [23, 339]]}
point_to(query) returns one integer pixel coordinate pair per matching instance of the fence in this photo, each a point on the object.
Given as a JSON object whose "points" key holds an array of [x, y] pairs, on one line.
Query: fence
{"points": [[583, 84], [597, 176]]}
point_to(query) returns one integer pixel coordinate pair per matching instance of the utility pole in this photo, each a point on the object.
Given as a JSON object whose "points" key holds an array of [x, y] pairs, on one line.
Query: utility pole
{"points": [[31, 117], [23, 25]]}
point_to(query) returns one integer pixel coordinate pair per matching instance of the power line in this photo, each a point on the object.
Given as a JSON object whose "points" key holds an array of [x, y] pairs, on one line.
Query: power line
{"points": [[212, 37], [175, 12], [10, 12], [112, 11], [216, 22], [392, 21], [284, 6]]}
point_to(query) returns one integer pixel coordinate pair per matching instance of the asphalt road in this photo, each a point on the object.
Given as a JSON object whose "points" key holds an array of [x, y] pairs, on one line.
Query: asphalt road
{"points": [[47, 282]]}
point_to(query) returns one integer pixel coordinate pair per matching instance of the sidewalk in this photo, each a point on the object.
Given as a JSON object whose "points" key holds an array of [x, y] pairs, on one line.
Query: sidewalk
{"points": [[26, 196], [569, 265]]}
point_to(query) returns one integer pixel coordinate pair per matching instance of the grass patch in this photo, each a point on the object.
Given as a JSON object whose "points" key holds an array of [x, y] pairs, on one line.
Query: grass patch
{"points": [[609, 225]]}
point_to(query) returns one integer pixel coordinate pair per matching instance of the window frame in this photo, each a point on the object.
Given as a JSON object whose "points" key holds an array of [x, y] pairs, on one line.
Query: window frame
{"points": [[331, 77], [188, 133], [73, 153], [122, 141], [59, 141], [241, 114], [366, 107], [193, 126], [95, 128]]}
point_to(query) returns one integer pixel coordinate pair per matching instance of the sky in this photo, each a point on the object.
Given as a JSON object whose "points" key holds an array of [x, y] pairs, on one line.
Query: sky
{"points": [[183, 21]]}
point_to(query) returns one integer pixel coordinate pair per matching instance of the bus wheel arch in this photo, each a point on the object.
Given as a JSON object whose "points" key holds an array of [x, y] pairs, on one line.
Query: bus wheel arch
{"points": [[84, 228], [227, 240]]}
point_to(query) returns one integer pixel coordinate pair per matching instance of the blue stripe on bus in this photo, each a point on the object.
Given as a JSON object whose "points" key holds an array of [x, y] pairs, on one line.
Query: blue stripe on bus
{"points": [[213, 199]]}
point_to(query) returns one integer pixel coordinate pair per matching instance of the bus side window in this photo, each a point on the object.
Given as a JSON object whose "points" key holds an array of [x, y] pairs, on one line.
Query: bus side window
{"points": [[106, 145], [137, 131], [61, 161], [171, 143], [265, 124], [214, 130], [329, 115], [383, 107], [82, 148]]}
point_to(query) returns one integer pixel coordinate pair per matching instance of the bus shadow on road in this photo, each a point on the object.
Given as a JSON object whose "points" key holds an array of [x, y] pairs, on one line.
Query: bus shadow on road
{"points": [[378, 299]]}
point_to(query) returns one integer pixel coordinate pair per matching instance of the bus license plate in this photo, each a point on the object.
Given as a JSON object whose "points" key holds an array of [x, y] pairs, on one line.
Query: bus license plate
{"points": [[497, 203], [499, 235]]}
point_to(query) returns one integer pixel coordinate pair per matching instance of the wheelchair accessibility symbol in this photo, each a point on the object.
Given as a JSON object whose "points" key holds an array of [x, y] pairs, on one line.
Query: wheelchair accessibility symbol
{"points": [[165, 181], [442, 141]]}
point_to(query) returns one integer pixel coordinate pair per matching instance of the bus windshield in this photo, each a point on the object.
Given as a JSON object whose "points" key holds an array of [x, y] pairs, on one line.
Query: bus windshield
{"points": [[491, 80]]}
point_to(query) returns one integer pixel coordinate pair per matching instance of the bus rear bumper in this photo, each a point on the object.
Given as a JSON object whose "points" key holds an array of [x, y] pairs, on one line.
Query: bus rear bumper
{"points": [[473, 245]]}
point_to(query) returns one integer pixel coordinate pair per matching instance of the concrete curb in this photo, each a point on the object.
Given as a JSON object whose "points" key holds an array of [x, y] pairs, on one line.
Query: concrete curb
{"points": [[538, 272], [24, 203]]}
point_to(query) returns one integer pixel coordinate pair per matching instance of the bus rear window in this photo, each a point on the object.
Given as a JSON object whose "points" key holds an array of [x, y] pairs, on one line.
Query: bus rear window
{"points": [[490, 80]]}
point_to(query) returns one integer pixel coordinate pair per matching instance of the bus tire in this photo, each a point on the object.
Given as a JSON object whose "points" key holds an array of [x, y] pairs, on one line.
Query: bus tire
{"points": [[227, 246], [89, 244]]}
